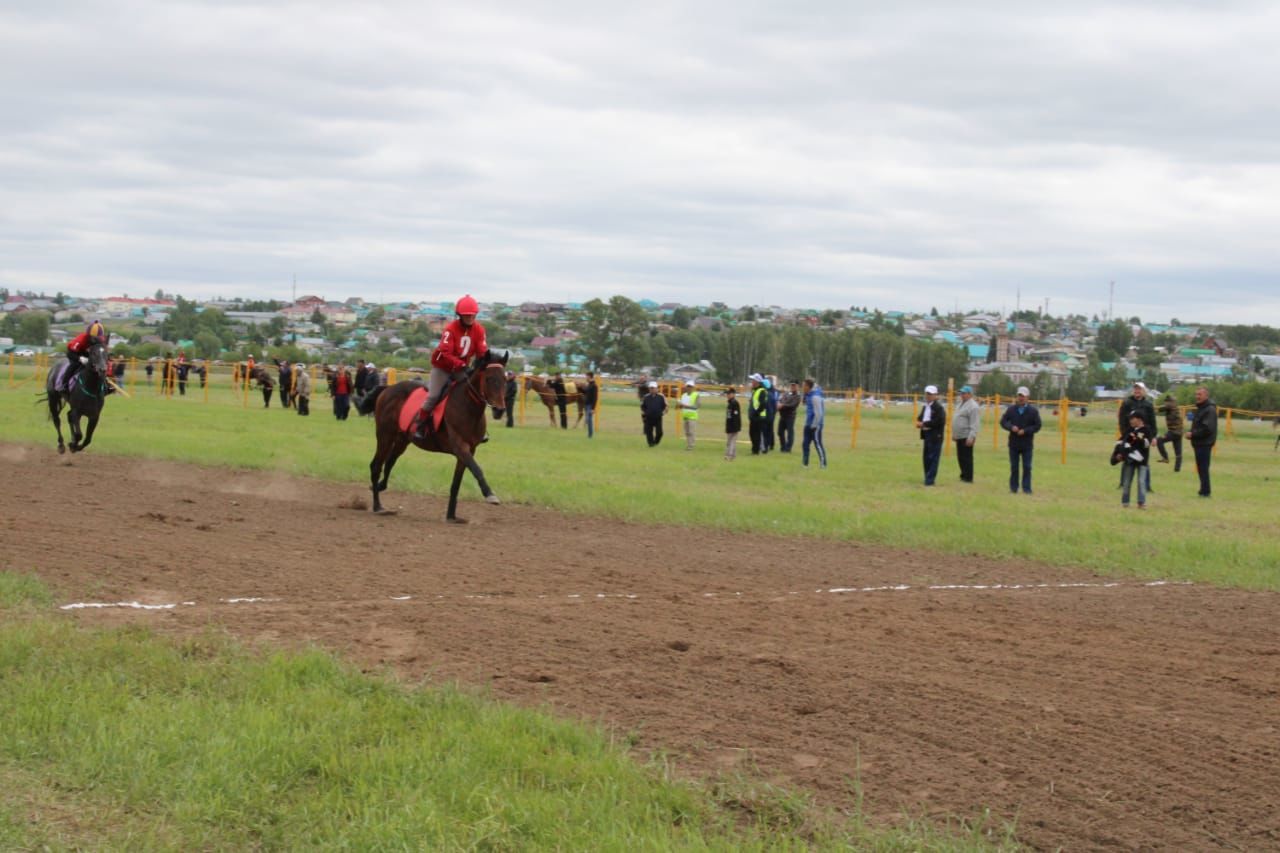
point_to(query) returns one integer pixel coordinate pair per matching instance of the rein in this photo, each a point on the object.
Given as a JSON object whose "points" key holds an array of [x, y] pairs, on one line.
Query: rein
{"points": [[478, 396]]}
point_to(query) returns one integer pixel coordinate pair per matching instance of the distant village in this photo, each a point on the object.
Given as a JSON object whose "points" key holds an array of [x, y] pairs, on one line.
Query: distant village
{"points": [[1024, 347]]}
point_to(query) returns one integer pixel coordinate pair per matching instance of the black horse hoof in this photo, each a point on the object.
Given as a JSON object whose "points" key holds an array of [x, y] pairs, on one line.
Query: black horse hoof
{"points": [[455, 520], [61, 449]]}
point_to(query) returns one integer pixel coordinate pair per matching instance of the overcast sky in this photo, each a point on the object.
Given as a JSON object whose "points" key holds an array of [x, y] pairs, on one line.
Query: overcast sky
{"points": [[821, 154]]}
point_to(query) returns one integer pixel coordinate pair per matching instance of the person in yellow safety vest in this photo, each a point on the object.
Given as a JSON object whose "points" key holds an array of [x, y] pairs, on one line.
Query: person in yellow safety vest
{"points": [[689, 412], [756, 407]]}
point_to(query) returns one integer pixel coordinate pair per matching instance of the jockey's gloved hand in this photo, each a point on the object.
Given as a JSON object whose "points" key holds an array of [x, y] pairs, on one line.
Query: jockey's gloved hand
{"points": [[84, 359], [458, 375]]}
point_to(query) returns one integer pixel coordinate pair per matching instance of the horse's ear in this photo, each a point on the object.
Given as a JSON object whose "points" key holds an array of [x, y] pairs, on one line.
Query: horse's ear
{"points": [[506, 355]]}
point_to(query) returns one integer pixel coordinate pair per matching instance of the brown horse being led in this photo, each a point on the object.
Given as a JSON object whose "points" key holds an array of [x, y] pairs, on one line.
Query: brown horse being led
{"points": [[548, 396], [461, 429]]}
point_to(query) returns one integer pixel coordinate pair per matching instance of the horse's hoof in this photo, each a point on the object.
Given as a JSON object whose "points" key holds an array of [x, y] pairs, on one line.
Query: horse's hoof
{"points": [[385, 511], [61, 449], [492, 499], [455, 520]]}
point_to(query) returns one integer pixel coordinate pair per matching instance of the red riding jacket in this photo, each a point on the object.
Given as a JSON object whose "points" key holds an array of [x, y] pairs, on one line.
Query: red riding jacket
{"points": [[458, 345]]}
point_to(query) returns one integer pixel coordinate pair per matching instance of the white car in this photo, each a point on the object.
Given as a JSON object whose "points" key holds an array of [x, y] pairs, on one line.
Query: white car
{"points": [[24, 353]]}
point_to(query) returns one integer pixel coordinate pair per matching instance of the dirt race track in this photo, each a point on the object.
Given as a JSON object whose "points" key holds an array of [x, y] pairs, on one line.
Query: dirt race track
{"points": [[1130, 716]]}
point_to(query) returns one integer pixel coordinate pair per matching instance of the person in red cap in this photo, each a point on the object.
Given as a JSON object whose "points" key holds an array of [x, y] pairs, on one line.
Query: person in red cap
{"points": [[462, 340]]}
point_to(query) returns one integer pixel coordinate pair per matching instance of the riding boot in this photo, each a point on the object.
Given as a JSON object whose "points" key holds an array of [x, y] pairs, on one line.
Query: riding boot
{"points": [[424, 421]]}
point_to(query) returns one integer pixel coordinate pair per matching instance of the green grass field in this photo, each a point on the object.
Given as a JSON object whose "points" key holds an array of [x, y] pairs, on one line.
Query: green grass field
{"points": [[870, 494]]}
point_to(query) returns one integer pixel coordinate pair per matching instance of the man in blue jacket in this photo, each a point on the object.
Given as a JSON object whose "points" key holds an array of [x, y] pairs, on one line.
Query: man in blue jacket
{"points": [[1022, 421], [932, 423]]}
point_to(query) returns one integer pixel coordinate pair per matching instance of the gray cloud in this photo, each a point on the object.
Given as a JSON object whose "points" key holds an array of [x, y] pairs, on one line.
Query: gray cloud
{"points": [[820, 153]]}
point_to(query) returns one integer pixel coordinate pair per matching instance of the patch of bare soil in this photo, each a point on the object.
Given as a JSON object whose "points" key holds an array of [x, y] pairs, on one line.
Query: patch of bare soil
{"points": [[1128, 715]]}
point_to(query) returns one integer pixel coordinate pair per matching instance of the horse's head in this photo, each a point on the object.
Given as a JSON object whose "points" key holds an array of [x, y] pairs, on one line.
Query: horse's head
{"points": [[97, 356], [493, 378]]}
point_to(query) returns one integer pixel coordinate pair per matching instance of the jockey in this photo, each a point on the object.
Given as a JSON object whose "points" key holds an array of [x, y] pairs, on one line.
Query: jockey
{"points": [[78, 347], [462, 340]]}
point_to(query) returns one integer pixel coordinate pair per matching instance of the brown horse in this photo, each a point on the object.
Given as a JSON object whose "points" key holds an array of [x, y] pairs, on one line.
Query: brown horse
{"points": [[461, 429], [548, 396]]}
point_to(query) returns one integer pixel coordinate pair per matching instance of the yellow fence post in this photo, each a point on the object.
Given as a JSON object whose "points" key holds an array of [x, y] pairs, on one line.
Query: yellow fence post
{"points": [[995, 424], [1063, 404], [391, 376], [951, 408], [857, 417]]}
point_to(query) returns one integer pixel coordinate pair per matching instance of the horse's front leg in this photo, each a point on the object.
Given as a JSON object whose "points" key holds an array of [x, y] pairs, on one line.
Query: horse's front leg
{"points": [[466, 458], [88, 436], [73, 421], [451, 515]]}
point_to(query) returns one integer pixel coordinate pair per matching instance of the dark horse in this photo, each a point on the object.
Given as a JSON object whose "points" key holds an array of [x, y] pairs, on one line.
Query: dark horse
{"points": [[460, 432], [548, 396], [84, 397]]}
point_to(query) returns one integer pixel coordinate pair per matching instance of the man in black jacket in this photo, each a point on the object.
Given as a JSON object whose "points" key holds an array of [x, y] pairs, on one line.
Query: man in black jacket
{"points": [[1204, 435], [932, 423], [562, 399], [652, 408], [590, 394], [509, 397], [1022, 422]]}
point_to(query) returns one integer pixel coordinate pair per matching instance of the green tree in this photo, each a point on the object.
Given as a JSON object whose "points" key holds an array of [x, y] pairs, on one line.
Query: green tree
{"points": [[613, 335], [1116, 337], [681, 317], [207, 344], [994, 383], [33, 328]]}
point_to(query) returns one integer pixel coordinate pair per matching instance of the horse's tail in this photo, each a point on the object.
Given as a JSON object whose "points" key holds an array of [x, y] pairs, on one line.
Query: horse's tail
{"points": [[368, 401]]}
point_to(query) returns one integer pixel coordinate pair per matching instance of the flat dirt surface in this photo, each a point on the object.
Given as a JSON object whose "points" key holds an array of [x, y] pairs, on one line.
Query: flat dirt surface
{"points": [[1126, 715]]}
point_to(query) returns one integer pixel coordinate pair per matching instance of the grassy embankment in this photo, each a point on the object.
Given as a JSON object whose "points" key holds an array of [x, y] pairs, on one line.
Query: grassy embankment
{"points": [[872, 493], [116, 740]]}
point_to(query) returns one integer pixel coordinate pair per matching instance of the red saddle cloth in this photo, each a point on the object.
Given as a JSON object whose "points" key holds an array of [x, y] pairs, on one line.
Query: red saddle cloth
{"points": [[413, 405]]}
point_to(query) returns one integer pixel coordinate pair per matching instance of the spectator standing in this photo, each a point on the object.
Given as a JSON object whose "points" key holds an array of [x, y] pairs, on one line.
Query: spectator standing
{"points": [[590, 397], [509, 397], [1173, 428], [1138, 401], [151, 369], [1203, 436], [357, 381], [183, 368], [932, 423], [652, 409], [341, 392], [788, 404], [757, 406], [1135, 447], [285, 374], [688, 406], [562, 398], [771, 411], [815, 415], [302, 390], [732, 424], [117, 371], [965, 425], [1022, 421]]}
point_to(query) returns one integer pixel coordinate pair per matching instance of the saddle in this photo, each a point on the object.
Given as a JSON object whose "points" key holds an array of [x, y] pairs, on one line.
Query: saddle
{"points": [[412, 406], [60, 378]]}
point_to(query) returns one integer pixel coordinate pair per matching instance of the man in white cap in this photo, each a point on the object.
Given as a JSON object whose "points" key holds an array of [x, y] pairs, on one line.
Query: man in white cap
{"points": [[688, 406], [757, 412], [302, 390], [932, 423], [1022, 421], [652, 408]]}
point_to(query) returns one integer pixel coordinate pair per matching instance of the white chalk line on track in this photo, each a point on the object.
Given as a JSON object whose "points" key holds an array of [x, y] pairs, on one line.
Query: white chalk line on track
{"points": [[836, 590]]}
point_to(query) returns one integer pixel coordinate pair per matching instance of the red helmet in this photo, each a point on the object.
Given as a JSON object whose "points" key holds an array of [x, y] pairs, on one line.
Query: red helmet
{"points": [[467, 305]]}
